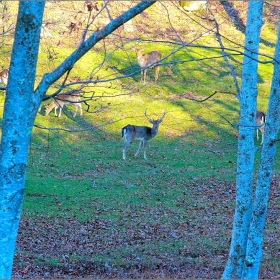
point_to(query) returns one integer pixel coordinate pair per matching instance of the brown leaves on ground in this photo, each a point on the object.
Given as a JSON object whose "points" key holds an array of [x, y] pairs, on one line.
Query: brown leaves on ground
{"points": [[145, 242]]}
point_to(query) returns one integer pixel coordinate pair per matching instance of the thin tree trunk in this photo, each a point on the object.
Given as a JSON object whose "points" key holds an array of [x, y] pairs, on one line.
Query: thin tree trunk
{"points": [[18, 119], [246, 149], [234, 16], [255, 239]]}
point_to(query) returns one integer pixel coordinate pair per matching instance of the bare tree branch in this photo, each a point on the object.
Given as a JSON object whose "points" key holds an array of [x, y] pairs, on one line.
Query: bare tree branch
{"points": [[210, 96], [84, 47], [223, 51]]}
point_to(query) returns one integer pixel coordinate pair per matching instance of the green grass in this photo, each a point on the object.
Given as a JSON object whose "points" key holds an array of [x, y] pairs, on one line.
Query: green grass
{"points": [[196, 142], [182, 190], [67, 173]]}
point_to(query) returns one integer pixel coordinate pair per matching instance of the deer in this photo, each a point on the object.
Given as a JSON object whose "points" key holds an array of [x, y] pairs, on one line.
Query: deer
{"points": [[4, 74], [140, 133], [60, 100], [146, 60], [260, 121]]}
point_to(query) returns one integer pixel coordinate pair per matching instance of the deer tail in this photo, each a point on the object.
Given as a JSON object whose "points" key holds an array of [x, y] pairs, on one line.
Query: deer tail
{"points": [[263, 118], [123, 131]]}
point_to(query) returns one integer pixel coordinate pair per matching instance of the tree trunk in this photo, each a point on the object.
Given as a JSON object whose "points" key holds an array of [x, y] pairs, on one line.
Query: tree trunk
{"points": [[255, 239], [246, 149], [234, 16], [18, 119]]}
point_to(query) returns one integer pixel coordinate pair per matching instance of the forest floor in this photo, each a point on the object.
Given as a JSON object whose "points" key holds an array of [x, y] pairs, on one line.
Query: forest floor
{"points": [[69, 248]]}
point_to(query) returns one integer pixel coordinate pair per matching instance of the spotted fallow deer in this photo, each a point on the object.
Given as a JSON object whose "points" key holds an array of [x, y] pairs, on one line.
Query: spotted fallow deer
{"points": [[72, 97], [140, 133], [4, 74], [260, 122], [148, 59]]}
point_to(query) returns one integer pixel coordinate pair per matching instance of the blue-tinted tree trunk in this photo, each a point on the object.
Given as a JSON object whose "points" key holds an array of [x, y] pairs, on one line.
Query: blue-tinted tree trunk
{"points": [[18, 119], [255, 238], [246, 149]]}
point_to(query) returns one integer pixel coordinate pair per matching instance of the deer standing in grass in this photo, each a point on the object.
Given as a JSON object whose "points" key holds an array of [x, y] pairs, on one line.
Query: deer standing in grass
{"points": [[4, 74], [72, 97], [260, 121], [146, 60], [140, 133]]}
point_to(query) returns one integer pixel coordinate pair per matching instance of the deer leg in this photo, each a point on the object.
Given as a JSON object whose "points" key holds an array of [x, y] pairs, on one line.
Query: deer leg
{"points": [[55, 112], [123, 154], [142, 74], [139, 148], [156, 73], [123, 151], [75, 113], [262, 133], [127, 140], [144, 147], [60, 109], [257, 134], [81, 109], [145, 74], [125, 145]]}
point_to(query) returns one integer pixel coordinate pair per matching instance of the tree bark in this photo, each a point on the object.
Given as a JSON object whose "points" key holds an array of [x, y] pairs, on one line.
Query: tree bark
{"points": [[255, 238], [18, 119], [233, 14], [246, 149]]}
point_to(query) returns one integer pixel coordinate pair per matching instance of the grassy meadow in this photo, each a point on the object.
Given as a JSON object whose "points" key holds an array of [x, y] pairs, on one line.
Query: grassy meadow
{"points": [[88, 213]]}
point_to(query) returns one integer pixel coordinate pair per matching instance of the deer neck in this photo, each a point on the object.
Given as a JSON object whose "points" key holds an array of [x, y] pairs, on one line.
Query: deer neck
{"points": [[154, 130]]}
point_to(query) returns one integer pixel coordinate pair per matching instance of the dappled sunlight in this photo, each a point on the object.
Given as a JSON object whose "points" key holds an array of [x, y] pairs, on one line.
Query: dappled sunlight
{"points": [[89, 213]]}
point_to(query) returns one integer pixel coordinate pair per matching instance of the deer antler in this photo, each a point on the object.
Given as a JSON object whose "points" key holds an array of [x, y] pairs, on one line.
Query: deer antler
{"points": [[164, 112], [146, 115], [151, 120]]}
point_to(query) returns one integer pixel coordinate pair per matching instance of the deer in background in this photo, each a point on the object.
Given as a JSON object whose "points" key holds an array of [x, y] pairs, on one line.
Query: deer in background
{"points": [[260, 121], [146, 60], [73, 97], [4, 74], [140, 133]]}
